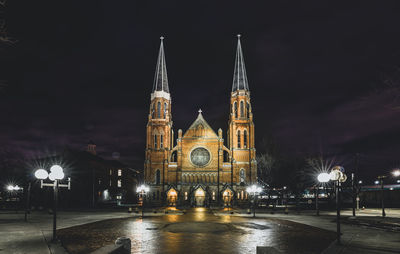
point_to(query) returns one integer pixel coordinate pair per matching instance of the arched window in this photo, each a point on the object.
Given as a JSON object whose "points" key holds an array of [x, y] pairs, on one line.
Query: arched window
{"points": [[158, 176], [161, 141], [242, 175], [248, 110], [174, 156], [245, 138], [226, 156], [235, 111], [165, 110], [158, 109], [238, 139], [241, 109], [153, 111], [155, 141]]}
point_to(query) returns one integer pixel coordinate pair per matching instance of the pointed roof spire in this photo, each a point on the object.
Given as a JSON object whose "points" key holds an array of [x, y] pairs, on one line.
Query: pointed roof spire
{"points": [[239, 75], [160, 77]]}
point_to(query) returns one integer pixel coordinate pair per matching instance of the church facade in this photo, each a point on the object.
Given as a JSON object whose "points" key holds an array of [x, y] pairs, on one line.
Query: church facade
{"points": [[198, 169]]}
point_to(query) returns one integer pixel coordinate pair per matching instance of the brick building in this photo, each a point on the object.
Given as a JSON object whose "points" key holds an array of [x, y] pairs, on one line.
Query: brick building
{"points": [[199, 170]]}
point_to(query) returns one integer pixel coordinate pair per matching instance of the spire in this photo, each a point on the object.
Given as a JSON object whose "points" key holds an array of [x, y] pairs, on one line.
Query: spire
{"points": [[160, 77], [239, 76]]}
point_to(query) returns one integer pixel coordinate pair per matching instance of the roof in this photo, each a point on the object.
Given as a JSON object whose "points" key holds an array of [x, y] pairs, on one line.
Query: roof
{"points": [[200, 128], [160, 77], [239, 76]]}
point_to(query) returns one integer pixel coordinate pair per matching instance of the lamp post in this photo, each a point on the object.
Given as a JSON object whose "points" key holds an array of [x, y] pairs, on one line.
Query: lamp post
{"points": [[27, 203], [338, 177], [395, 173], [253, 191], [322, 178], [142, 189], [382, 194], [56, 174]]}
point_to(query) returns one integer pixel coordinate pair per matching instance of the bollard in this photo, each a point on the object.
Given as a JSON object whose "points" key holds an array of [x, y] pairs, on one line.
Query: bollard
{"points": [[126, 244]]}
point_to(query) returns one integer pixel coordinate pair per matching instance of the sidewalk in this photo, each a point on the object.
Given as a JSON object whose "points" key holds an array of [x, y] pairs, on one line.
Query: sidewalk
{"points": [[34, 236], [355, 238]]}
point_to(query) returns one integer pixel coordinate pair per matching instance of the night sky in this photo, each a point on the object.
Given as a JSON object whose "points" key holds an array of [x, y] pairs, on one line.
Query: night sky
{"points": [[323, 77]]}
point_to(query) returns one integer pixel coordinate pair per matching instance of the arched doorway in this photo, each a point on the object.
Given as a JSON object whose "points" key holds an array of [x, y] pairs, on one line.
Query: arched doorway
{"points": [[227, 197], [172, 196], [199, 197]]}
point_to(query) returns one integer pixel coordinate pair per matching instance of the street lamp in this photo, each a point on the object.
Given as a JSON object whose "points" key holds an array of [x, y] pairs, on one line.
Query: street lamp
{"points": [[253, 191], [395, 173], [338, 177], [142, 189], [56, 174], [322, 178]]}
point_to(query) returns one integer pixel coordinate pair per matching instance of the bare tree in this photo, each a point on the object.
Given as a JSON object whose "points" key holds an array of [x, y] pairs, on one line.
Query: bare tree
{"points": [[265, 165], [319, 164]]}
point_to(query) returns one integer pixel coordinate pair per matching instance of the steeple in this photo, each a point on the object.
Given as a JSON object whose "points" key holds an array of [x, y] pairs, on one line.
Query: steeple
{"points": [[239, 76], [161, 77]]}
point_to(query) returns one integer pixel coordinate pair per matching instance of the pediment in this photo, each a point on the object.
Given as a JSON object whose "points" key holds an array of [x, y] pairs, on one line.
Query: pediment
{"points": [[200, 129]]}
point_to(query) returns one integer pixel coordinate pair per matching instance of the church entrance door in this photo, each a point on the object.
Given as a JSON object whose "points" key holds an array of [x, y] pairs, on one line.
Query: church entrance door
{"points": [[172, 197], [227, 197], [199, 197]]}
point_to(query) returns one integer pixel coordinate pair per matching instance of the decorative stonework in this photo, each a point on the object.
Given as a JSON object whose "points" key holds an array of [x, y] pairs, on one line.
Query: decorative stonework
{"points": [[200, 156]]}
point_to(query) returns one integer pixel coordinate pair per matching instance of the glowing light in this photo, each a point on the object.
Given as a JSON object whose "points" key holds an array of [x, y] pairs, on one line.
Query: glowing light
{"points": [[199, 192], [56, 169], [172, 193], [396, 173], [360, 182], [376, 182], [335, 175], [13, 188], [52, 176], [323, 177], [41, 174], [253, 189], [143, 188]]}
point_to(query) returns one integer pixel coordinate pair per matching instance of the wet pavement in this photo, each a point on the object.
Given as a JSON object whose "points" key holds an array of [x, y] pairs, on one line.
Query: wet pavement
{"points": [[198, 231]]}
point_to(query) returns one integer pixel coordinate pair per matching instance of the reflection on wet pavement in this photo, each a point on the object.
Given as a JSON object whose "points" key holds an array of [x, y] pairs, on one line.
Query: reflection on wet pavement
{"points": [[198, 231]]}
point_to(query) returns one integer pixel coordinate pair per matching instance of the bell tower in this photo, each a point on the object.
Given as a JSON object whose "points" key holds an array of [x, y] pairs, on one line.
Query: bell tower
{"points": [[241, 126], [159, 134]]}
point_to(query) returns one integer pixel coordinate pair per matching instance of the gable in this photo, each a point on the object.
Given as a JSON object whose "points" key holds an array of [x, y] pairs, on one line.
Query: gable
{"points": [[200, 129]]}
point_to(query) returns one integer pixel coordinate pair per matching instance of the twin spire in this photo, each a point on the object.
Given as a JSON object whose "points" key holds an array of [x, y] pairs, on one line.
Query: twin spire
{"points": [[239, 77], [239, 74], [161, 77]]}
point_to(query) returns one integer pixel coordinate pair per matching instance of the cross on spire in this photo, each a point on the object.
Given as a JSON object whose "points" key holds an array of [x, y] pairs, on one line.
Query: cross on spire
{"points": [[200, 111]]}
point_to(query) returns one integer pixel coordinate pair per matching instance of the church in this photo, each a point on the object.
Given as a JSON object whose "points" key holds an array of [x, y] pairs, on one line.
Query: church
{"points": [[198, 169]]}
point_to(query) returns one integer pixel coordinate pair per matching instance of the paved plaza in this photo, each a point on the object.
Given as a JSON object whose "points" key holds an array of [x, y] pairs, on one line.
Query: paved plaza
{"points": [[200, 230]]}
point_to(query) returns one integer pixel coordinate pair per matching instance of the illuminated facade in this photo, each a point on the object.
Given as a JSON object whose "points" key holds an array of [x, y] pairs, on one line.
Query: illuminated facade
{"points": [[199, 170]]}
